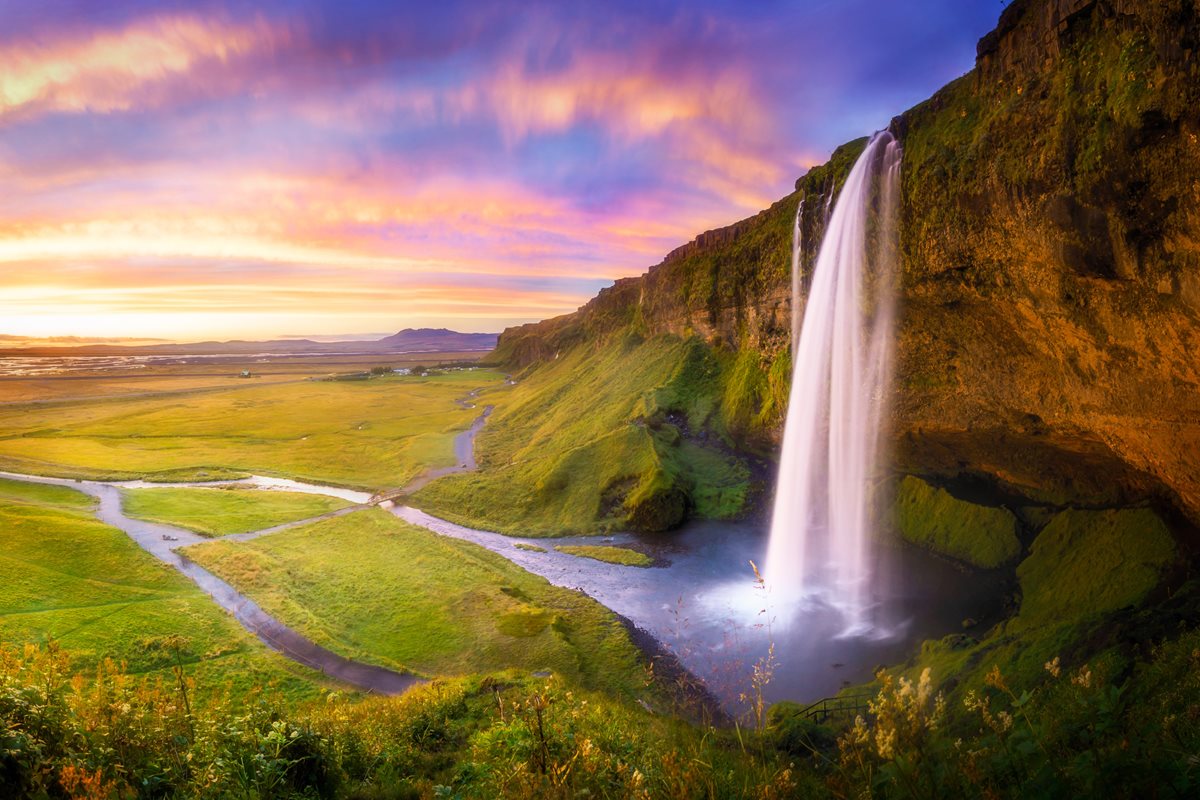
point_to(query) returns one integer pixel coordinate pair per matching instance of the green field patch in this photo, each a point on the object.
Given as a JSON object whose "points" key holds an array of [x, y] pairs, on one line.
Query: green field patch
{"points": [[225, 510], [44, 494], [531, 548], [68, 578], [372, 587], [525, 622], [609, 555], [374, 434]]}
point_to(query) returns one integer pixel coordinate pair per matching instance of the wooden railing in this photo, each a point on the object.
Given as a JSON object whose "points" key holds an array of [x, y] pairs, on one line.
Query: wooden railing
{"points": [[843, 705]]}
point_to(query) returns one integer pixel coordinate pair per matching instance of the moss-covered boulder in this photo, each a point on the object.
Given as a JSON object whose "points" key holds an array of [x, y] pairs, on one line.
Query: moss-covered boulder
{"points": [[982, 536], [1091, 562]]}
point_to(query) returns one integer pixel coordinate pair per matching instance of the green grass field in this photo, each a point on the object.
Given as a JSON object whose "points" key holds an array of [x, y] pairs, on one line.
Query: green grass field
{"points": [[609, 555], [67, 578], [368, 434], [372, 587], [219, 512]]}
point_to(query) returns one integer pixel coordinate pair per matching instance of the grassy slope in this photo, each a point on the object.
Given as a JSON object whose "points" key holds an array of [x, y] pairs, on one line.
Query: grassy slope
{"points": [[383, 433], [584, 444], [218, 512], [66, 577], [410, 599]]}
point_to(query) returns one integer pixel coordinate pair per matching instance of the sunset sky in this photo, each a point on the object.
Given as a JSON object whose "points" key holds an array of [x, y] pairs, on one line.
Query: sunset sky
{"points": [[218, 170]]}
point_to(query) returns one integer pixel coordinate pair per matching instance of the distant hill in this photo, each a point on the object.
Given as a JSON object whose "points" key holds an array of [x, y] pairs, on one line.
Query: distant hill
{"points": [[409, 340]]}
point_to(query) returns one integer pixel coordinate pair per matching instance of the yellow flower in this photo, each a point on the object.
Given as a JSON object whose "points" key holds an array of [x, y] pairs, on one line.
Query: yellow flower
{"points": [[1053, 668]]}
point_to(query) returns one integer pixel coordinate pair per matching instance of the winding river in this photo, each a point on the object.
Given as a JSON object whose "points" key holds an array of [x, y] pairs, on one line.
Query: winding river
{"points": [[700, 600]]}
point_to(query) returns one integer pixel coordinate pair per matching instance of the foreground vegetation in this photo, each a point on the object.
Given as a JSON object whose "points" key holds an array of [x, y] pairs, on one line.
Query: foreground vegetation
{"points": [[226, 510], [410, 599], [385, 432], [70, 579], [1071, 732]]}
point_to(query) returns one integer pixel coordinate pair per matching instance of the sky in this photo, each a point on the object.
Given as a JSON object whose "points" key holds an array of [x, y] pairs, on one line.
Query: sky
{"points": [[190, 170]]}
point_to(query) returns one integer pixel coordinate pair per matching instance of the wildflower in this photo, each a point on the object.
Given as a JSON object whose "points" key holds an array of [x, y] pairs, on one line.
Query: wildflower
{"points": [[1005, 720], [995, 679], [1053, 668], [1083, 678], [858, 734], [885, 742]]}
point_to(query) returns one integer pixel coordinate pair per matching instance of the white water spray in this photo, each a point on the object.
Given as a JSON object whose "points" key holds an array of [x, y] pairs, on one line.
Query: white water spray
{"points": [[823, 521]]}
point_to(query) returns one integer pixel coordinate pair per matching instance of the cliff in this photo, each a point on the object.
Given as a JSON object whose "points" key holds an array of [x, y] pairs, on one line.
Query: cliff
{"points": [[1050, 244]]}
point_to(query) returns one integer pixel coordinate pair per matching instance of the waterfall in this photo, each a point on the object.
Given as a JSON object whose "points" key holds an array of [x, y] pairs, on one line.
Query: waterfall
{"points": [[823, 520], [797, 287]]}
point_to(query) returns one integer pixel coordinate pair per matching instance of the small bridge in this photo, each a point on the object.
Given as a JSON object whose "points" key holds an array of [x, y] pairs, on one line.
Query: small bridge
{"points": [[847, 705], [386, 495]]}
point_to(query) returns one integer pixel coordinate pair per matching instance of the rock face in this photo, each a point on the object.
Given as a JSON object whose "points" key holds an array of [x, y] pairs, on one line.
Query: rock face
{"points": [[1050, 242]]}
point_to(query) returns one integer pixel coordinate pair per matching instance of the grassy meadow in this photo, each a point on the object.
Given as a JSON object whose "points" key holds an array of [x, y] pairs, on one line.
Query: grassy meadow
{"points": [[372, 587], [365, 434], [226, 510], [69, 579]]}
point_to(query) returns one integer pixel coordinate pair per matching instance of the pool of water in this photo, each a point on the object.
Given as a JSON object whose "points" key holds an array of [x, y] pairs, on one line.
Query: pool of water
{"points": [[703, 603]]}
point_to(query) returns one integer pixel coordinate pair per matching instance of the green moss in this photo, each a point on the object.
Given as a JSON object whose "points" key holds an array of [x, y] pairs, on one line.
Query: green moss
{"points": [[610, 555], [532, 548], [981, 536], [1091, 562]]}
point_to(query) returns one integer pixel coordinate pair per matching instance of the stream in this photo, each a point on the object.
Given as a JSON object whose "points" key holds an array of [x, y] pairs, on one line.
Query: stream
{"points": [[700, 599]]}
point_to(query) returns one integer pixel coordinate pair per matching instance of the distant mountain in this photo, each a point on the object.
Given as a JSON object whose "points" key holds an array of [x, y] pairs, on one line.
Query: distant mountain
{"points": [[409, 340], [436, 339]]}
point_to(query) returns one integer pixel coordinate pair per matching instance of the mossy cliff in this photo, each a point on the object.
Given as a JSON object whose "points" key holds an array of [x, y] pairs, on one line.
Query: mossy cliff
{"points": [[1050, 245]]}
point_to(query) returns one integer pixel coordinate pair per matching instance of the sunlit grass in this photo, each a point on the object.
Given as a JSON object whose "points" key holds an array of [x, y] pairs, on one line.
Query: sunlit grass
{"points": [[67, 578], [218, 512], [371, 434], [372, 587]]}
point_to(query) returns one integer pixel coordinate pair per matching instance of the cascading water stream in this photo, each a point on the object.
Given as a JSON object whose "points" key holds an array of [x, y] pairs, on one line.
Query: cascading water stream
{"points": [[797, 286], [823, 523]]}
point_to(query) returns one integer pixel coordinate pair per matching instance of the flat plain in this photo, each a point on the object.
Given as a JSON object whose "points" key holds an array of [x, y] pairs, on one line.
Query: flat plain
{"points": [[369, 434]]}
